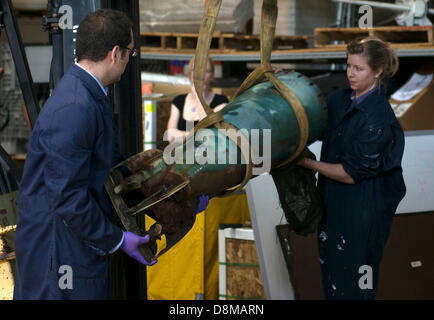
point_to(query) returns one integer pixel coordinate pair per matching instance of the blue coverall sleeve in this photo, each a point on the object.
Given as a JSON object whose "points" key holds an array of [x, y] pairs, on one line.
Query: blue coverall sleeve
{"points": [[69, 142], [363, 157]]}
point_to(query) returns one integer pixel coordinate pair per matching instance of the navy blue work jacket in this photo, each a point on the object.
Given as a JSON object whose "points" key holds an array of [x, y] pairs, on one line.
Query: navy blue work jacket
{"points": [[63, 212], [368, 141]]}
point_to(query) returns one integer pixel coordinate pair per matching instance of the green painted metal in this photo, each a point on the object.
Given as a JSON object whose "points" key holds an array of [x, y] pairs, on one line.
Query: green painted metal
{"points": [[260, 107], [171, 189]]}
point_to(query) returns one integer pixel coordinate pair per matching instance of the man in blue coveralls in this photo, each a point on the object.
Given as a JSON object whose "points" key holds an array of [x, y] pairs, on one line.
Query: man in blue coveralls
{"points": [[64, 233]]}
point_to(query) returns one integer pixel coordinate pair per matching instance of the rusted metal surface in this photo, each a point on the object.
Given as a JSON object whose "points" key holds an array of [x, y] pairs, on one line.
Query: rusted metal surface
{"points": [[288, 105], [169, 192]]}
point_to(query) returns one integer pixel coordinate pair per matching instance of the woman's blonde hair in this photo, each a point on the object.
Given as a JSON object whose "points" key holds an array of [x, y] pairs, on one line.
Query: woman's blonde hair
{"points": [[379, 55], [191, 67]]}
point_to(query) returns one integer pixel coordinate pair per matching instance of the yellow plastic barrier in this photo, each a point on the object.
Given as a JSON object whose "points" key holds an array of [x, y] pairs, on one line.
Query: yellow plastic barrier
{"points": [[189, 270]]}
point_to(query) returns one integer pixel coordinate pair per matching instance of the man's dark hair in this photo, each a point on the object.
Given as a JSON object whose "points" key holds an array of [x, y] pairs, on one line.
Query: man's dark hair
{"points": [[100, 32]]}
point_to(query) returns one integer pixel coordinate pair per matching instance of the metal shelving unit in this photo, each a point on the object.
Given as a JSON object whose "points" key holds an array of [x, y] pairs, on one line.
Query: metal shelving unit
{"points": [[307, 54]]}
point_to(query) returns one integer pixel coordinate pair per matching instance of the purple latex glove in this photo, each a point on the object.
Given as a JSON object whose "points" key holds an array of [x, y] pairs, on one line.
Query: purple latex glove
{"points": [[203, 203], [131, 247]]}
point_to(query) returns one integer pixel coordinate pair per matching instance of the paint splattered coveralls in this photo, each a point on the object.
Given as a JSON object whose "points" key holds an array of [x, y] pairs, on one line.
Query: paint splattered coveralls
{"points": [[366, 138]]}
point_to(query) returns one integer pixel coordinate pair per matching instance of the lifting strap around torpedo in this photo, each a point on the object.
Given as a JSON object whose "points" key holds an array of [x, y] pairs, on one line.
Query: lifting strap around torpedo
{"points": [[264, 71]]}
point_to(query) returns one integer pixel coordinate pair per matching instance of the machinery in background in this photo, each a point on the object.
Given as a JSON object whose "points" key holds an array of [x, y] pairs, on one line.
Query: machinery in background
{"points": [[64, 36], [8, 175], [9, 24], [404, 12], [125, 97], [8, 219]]}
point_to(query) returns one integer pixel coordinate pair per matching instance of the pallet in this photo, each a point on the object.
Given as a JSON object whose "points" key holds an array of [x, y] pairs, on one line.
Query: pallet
{"points": [[221, 42], [395, 36]]}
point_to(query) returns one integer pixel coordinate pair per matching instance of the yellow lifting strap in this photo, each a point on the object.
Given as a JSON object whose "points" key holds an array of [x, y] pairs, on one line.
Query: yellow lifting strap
{"points": [[264, 71]]}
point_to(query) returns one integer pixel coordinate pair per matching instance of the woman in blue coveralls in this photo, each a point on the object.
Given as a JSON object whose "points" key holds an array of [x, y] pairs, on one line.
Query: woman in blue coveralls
{"points": [[360, 174]]}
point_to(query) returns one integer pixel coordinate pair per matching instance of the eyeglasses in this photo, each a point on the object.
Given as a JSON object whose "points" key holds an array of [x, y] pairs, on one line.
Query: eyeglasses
{"points": [[133, 52]]}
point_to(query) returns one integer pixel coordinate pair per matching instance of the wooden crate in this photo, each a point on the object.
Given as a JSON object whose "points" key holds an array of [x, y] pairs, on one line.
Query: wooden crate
{"points": [[395, 36], [239, 273], [221, 42]]}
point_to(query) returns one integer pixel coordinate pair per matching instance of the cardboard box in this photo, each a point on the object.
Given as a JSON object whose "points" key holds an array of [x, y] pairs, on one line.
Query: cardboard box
{"points": [[417, 113]]}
